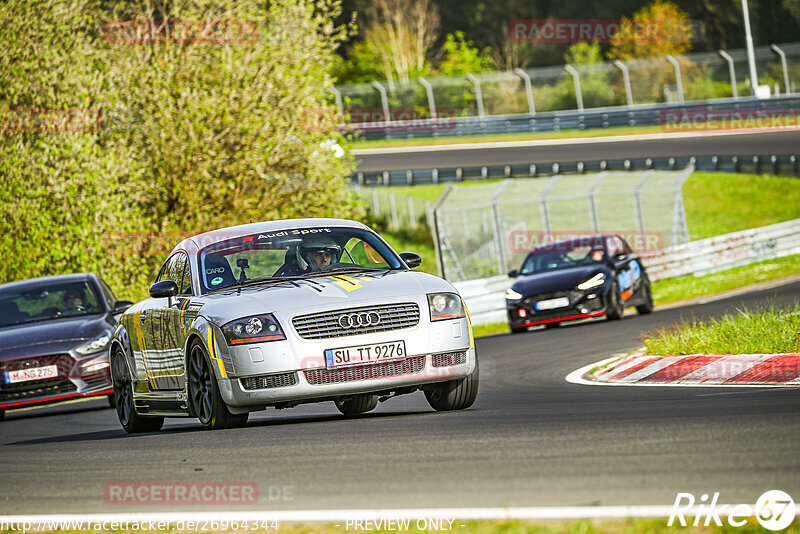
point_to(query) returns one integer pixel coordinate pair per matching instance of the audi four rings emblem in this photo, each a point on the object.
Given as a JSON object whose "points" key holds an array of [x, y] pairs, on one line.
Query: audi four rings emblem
{"points": [[355, 320]]}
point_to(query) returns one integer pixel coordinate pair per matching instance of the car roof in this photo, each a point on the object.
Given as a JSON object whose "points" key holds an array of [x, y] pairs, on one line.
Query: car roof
{"points": [[32, 282], [585, 240], [199, 241]]}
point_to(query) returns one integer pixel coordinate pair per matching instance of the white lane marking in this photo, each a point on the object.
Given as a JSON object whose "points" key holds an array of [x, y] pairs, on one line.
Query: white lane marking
{"points": [[303, 516], [724, 368], [558, 142], [652, 368]]}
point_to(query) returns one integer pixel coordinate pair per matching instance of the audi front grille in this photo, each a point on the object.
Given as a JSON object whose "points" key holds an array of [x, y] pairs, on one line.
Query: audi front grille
{"points": [[354, 321], [279, 380], [317, 377], [446, 359]]}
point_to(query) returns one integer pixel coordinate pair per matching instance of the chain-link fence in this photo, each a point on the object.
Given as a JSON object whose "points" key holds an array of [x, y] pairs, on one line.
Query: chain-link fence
{"points": [[485, 230]]}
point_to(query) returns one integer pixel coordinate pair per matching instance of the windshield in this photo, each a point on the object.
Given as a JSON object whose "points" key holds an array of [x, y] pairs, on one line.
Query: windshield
{"points": [[563, 256], [48, 301], [292, 253]]}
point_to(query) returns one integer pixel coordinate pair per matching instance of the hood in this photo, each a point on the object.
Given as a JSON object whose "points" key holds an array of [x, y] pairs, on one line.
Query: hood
{"points": [[336, 291], [50, 337], [557, 280]]}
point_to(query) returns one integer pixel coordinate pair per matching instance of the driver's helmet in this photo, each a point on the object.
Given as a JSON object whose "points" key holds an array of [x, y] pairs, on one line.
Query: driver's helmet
{"points": [[319, 243], [73, 297]]}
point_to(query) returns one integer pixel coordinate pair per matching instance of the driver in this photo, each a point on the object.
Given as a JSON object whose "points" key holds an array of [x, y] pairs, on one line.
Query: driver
{"points": [[319, 252], [597, 254], [73, 299]]}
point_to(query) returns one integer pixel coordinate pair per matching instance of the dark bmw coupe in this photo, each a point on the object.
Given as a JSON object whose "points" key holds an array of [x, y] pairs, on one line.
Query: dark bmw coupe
{"points": [[578, 278], [54, 334]]}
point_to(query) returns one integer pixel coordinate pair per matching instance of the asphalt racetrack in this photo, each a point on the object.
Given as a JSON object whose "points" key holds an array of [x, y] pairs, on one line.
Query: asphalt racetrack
{"points": [[531, 439], [572, 150]]}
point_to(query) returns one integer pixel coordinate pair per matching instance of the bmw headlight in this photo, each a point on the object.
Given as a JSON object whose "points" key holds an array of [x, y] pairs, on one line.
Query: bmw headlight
{"points": [[253, 329], [94, 345], [512, 295], [596, 280], [445, 306]]}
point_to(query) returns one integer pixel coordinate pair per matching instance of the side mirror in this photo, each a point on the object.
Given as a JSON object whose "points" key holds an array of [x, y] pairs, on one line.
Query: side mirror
{"points": [[163, 289], [513, 273], [121, 305], [412, 259]]}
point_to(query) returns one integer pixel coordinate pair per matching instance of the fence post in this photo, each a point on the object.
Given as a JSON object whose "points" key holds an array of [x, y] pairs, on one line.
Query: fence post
{"points": [[526, 78], [387, 117], [678, 79], [576, 78], [411, 218], [679, 224], [502, 263], [732, 72], [592, 205], [782, 55], [435, 228], [478, 93], [637, 201], [393, 207], [376, 209], [543, 203], [431, 102], [626, 78], [339, 103]]}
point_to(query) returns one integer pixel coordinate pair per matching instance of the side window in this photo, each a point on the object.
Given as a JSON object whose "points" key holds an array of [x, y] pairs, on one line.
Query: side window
{"points": [[107, 293], [361, 253], [163, 273], [173, 269], [186, 285], [614, 246]]}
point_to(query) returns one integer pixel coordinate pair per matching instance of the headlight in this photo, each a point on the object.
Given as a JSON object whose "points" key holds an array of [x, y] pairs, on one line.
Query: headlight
{"points": [[596, 280], [513, 295], [94, 345], [445, 306], [254, 329]]}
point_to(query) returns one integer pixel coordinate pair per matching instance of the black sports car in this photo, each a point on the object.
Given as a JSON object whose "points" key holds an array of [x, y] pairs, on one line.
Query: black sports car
{"points": [[54, 334], [582, 277]]}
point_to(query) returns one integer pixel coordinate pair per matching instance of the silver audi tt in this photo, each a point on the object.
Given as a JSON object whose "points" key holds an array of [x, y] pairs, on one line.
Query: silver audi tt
{"points": [[289, 312]]}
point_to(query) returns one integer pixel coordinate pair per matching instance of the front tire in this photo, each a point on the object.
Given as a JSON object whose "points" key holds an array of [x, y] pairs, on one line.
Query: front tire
{"points": [[131, 421], [455, 394], [357, 405], [205, 401], [647, 307], [614, 309]]}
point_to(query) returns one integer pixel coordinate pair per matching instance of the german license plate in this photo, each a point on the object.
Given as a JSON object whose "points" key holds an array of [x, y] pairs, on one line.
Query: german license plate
{"points": [[34, 373], [552, 304], [363, 354]]}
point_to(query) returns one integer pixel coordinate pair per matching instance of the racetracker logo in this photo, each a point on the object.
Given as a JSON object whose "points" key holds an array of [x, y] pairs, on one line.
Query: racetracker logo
{"points": [[524, 241], [728, 119], [181, 493], [561, 31], [43, 120], [148, 32], [774, 510]]}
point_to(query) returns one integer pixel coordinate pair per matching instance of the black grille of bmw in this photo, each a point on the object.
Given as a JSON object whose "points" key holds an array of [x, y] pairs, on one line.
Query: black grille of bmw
{"points": [[327, 325], [281, 380], [447, 359], [37, 388], [317, 377]]}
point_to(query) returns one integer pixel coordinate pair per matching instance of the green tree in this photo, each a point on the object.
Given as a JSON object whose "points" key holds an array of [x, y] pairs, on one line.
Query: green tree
{"points": [[462, 57]]}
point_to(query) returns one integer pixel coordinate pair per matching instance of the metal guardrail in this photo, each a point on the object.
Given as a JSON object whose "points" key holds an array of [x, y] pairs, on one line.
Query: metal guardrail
{"points": [[637, 115], [486, 301], [788, 165]]}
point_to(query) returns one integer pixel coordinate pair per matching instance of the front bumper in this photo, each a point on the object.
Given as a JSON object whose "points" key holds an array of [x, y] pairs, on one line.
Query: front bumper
{"points": [[582, 305], [78, 376]]}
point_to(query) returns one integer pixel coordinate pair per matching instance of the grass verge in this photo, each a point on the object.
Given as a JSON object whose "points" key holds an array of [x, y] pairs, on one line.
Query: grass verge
{"points": [[747, 331]]}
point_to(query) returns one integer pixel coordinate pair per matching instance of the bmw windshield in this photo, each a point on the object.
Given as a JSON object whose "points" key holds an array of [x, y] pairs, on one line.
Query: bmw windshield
{"points": [[48, 301], [292, 253]]}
